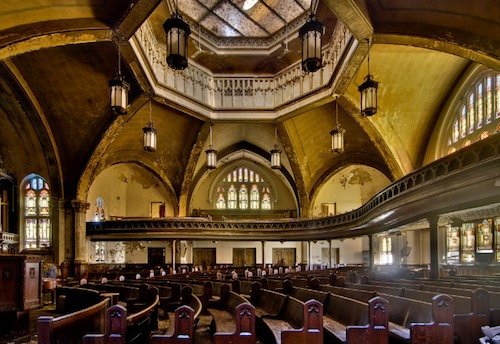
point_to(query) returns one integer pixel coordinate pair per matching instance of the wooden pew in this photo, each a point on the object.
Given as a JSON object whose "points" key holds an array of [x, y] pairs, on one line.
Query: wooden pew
{"points": [[145, 316], [440, 329], [468, 326], [116, 327], [377, 329], [181, 330], [70, 328], [287, 319], [244, 332], [231, 322]]}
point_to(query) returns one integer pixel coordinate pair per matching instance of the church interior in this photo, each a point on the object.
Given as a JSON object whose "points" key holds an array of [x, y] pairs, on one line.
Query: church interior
{"points": [[156, 153]]}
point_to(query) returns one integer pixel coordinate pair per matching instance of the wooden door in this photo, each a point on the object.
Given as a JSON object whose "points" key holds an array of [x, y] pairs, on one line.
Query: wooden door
{"points": [[204, 257], [243, 256], [284, 257], [156, 256]]}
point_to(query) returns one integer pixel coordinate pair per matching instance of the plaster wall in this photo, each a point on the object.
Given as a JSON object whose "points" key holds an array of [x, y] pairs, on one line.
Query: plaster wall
{"points": [[349, 188], [127, 191]]}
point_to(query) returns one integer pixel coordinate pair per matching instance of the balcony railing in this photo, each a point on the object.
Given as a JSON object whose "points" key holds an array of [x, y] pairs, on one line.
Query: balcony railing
{"points": [[433, 180], [206, 93]]}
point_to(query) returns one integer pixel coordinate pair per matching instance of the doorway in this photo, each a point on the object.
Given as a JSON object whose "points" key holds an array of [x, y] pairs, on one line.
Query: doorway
{"points": [[156, 256], [243, 256], [204, 257], [284, 257]]}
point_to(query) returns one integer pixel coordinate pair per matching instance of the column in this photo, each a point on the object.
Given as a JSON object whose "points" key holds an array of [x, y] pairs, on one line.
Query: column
{"points": [[173, 255], [433, 226], [309, 261], [330, 265], [59, 237], [263, 254], [370, 251], [80, 209]]}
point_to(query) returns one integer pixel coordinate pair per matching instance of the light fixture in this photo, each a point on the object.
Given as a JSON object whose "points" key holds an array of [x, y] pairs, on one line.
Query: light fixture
{"points": [[311, 34], [211, 153], [248, 4], [149, 134], [119, 89], [337, 133], [368, 92], [275, 152], [177, 31]]}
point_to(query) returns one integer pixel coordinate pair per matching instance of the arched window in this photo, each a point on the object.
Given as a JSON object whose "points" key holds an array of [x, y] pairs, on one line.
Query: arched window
{"points": [[231, 197], [243, 196], [478, 108], [248, 195], [37, 226], [254, 196], [99, 215]]}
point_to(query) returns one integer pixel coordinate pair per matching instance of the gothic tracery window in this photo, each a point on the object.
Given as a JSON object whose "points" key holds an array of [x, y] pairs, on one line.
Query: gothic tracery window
{"points": [[37, 226], [246, 190], [476, 111]]}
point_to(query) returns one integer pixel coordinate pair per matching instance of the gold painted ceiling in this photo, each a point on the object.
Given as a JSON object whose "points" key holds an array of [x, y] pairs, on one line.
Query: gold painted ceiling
{"points": [[57, 57]]}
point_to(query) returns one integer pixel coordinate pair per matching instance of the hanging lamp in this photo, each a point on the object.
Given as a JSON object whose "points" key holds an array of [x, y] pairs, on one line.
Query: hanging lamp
{"points": [[275, 152], [311, 34], [337, 133], [211, 153], [119, 90], [149, 134], [177, 31], [368, 92]]}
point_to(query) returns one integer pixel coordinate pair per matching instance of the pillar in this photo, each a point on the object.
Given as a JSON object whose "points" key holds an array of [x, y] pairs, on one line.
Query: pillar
{"points": [[263, 254], [309, 260], [80, 209], [173, 255], [370, 251], [433, 227], [330, 265], [59, 239]]}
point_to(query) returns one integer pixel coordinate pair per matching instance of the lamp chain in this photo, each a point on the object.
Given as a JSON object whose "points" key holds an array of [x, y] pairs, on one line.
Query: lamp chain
{"points": [[150, 121], [119, 58], [337, 112], [211, 143]]}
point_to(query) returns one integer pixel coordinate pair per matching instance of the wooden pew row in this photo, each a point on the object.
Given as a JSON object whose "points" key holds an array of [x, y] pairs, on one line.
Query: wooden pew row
{"points": [[233, 318], [70, 328], [346, 320], [287, 319], [467, 324]]}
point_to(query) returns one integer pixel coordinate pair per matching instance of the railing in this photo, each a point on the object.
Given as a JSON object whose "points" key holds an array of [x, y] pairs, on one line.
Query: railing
{"points": [[219, 92], [9, 238], [484, 151]]}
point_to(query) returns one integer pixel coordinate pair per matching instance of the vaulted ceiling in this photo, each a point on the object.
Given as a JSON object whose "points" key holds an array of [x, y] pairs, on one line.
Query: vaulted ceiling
{"points": [[56, 60]]}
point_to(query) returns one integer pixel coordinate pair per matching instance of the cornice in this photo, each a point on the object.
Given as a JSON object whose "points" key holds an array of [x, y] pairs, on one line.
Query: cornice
{"points": [[464, 179]]}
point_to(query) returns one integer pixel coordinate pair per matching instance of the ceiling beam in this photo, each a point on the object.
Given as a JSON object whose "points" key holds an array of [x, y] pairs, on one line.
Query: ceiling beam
{"points": [[354, 15], [134, 16]]}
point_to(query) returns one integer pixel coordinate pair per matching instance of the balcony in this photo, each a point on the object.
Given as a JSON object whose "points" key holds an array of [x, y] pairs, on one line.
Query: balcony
{"points": [[241, 96], [467, 178]]}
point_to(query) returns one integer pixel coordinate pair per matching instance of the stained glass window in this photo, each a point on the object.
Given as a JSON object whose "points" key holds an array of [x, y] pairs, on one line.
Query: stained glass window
{"points": [[232, 197], [243, 197], [497, 238], [497, 97], [479, 104], [468, 243], [254, 197], [476, 108], [37, 225], [250, 192], [484, 236], [452, 245], [463, 122], [471, 113], [386, 253]]}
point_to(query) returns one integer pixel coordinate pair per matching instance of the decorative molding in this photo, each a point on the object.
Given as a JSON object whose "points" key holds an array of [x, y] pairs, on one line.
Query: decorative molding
{"points": [[239, 96], [454, 175], [80, 206]]}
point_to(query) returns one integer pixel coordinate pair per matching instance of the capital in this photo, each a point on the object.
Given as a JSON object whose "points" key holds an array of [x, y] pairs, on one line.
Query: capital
{"points": [[80, 206]]}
